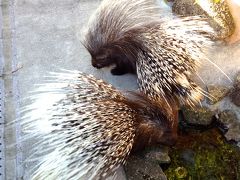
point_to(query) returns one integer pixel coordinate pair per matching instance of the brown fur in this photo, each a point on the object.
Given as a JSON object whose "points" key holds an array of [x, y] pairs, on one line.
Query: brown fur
{"points": [[161, 127]]}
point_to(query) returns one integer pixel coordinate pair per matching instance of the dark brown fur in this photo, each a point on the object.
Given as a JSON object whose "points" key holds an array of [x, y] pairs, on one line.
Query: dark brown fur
{"points": [[160, 128]]}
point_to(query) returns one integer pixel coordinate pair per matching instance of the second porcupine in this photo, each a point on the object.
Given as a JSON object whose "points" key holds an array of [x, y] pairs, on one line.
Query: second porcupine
{"points": [[163, 51], [83, 128]]}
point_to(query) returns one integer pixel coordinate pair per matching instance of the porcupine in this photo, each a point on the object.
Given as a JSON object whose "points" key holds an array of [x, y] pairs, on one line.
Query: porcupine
{"points": [[163, 51], [83, 128]]}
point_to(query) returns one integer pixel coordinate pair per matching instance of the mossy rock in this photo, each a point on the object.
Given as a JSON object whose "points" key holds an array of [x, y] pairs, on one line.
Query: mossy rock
{"points": [[218, 92], [235, 92], [211, 157], [217, 14], [197, 116]]}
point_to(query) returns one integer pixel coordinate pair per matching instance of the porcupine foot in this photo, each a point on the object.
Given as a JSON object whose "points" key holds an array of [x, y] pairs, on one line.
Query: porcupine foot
{"points": [[123, 67], [118, 71]]}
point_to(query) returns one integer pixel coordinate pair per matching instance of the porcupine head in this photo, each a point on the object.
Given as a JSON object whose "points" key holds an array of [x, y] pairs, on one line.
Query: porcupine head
{"points": [[79, 127], [107, 36], [165, 51]]}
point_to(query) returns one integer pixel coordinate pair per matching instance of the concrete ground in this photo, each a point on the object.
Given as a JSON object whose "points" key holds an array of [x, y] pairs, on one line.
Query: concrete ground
{"points": [[39, 36]]}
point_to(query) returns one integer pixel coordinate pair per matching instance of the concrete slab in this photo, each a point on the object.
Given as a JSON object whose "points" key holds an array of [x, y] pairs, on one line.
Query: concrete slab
{"points": [[40, 36], [2, 128]]}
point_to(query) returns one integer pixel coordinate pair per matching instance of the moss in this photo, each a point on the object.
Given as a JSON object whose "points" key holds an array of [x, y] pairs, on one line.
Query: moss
{"points": [[213, 158], [181, 173]]}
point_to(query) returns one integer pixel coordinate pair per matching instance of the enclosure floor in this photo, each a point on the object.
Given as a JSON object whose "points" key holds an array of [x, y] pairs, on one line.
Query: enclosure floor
{"points": [[39, 37]]}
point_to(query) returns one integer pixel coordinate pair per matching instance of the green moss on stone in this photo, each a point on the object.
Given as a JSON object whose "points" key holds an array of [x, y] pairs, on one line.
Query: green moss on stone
{"points": [[210, 157]]}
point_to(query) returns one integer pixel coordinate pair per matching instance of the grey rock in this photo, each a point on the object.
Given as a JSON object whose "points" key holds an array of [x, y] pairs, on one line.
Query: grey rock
{"points": [[141, 169], [227, 118], [233, 133], [159, 155], [230, 121], [235, 96], [187, 8], [218, 92], [235, 92]]}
